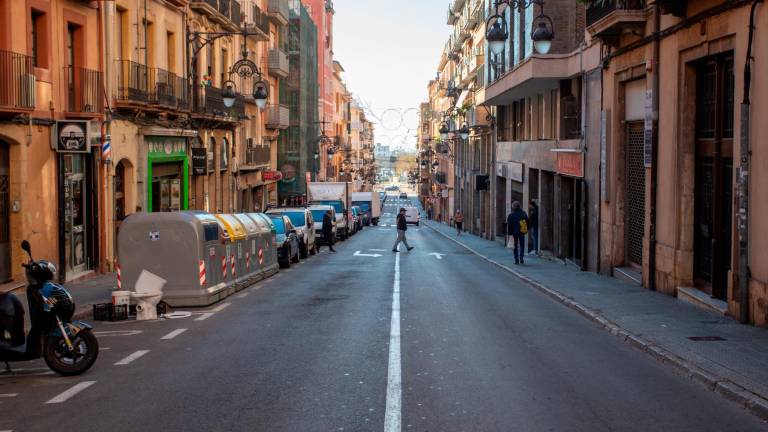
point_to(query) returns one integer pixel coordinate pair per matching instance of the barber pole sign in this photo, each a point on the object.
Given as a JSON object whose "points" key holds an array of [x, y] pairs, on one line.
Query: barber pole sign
{"points": [[224, 267], [201, 266]]}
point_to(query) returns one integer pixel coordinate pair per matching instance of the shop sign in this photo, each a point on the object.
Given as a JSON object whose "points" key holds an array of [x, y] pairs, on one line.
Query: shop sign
{"points": [[199, 160], [71, 136], [167, 146], [570, 163], [271, 175]]}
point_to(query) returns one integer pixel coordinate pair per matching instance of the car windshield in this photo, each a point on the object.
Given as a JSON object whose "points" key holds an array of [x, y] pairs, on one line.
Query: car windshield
{"points": [[297, 218], [364, 205], [335, 204], [317, 215], [279, 225]]}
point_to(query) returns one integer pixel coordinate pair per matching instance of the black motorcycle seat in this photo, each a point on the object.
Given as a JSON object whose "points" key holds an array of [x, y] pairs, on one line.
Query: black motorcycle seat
{"points": [[11, 320]]}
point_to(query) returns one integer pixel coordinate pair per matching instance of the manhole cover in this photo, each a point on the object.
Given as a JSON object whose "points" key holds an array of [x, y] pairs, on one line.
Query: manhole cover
{"points": [[705, 338]]}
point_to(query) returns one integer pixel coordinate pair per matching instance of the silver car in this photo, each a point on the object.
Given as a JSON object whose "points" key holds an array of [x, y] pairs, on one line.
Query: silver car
{"points": [[304, 223]]}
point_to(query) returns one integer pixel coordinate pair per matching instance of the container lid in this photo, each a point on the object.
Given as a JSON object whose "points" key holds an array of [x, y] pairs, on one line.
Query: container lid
{"points": [[263, 221], [232, 226], [248, 223]]}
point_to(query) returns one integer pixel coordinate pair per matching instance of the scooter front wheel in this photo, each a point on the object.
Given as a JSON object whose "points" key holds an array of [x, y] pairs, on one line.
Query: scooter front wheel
{"points": [[61, 360]]}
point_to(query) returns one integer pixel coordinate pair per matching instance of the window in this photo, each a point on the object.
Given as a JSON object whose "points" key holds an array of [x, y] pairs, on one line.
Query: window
{"points": [[223, 70], [170, 41], [224, 153], [570, 109], [39, 39], [119, 29]]}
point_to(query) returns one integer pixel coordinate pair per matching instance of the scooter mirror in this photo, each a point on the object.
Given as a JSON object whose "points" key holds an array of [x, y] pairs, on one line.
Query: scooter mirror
{"points": [[27, 248]]}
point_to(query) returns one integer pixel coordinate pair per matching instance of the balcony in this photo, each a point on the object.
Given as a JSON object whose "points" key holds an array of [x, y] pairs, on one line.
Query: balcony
{"points": [[84, 91], [457, 5], [278, 63], [452, 18], [17, 82], [256, 156], [475, 16], [278, 117], [610, 19], [168, 89], [255, 20], [211, 104], [278, 11], [225, 12], [132, 82]]}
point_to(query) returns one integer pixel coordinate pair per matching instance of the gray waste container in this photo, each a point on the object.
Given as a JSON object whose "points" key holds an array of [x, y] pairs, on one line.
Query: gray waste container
{"points": [[267, 244], [183, 248]]}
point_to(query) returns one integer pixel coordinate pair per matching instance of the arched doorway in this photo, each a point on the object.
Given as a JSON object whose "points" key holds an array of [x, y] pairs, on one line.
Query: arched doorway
{"points": [[5, 223]]}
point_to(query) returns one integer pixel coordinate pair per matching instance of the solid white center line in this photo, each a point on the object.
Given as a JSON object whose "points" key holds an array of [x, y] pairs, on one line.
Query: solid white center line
{"points": [[393, 413], [77, 388], [221, 307], [131, 357], [174, 333]]}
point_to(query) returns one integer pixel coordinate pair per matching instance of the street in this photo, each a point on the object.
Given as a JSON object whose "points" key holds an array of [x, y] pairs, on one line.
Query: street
{"points": [[315, 348]]}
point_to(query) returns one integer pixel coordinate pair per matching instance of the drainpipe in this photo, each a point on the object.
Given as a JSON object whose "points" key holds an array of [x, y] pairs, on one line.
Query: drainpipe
{"points": [[745, 154], [654, 148]]}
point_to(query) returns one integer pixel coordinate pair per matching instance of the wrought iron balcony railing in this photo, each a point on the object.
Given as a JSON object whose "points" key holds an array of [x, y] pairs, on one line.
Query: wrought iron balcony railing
{"points": [[168, 89], [278, 117], [278, 62], [17, 81], [257, 156], [278, 11], [597, 10], [210, 102], [84, 91], [132, 82]]}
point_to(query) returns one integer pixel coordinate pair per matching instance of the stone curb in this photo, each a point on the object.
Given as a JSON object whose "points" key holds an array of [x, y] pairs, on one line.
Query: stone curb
{"points": [[753, 402]]}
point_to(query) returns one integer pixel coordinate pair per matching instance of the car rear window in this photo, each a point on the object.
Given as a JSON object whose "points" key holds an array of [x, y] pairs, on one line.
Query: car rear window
{"points": [[297, 218], [279, 225], [317, 215]]}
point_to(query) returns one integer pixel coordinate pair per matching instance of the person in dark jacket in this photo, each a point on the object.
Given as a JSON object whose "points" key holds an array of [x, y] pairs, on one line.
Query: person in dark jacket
{"points": [[533, 227], [517, 227], [402, 227], [328, 231]]}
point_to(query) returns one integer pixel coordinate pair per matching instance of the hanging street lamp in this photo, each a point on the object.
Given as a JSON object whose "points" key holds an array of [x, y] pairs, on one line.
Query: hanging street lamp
{"points": [[542, 35]]}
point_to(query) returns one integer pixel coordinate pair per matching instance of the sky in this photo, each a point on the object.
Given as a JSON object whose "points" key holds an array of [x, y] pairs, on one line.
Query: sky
{"points": [[390, 50]]}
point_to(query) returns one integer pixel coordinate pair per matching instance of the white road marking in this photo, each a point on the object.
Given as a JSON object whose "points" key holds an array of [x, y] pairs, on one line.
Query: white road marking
{"points": [[221, 307], [77, 388], [131, 357], [357, 253], [173, 334], [393, 413], [117, 333], [243, 295], [204, 316], [437, 255], [8, 395], [378, 250]]}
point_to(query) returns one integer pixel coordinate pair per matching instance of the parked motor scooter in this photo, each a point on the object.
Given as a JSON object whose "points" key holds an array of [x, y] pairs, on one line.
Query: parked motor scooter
{"points": [[68, 347]]}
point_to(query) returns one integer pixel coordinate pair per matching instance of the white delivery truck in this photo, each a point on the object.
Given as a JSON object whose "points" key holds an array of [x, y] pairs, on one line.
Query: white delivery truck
{"points": [[336, 194], [370, 202]]}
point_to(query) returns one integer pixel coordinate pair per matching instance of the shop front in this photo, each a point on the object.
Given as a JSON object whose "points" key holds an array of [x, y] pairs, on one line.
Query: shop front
{"points": [[167, 174], [78, 240]]}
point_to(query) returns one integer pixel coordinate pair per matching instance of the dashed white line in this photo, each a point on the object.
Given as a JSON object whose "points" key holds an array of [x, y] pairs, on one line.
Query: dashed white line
{"points": [[8, 395], [173, 334], [131, 357], [221, 307], [243, 295], [77, 388], [204, 316], [393, 412]]}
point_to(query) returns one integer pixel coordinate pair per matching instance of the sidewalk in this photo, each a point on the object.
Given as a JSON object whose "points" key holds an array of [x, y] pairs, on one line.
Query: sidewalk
{"points": [[97, 289], [660, 325]]}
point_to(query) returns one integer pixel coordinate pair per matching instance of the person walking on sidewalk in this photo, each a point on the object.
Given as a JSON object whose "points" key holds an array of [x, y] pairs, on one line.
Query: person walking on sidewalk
{"points": [[402, 227], [328, 231], [459, 221], [533, 226], [517, 227]]}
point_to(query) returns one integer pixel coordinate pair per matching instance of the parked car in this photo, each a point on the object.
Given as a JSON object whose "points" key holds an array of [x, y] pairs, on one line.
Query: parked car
{"points": [[354, 218], [287, 241], [318, 211], [302, 220], [360, 217], [412, 215], [403, 195]]}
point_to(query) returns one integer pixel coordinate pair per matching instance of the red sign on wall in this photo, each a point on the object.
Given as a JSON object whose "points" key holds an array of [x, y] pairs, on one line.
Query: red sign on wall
{"points": [[271, 175], [570, 163]]}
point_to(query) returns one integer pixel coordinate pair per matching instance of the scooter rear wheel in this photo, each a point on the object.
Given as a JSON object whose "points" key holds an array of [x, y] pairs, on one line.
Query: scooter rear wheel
{"points": [[65, 362]]}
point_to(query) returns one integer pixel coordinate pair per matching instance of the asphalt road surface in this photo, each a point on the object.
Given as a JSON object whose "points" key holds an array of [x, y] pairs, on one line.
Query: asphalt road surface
{"points": [[369, 340]]}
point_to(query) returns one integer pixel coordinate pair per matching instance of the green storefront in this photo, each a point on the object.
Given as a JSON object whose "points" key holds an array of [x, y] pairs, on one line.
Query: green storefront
{"points": [[167, 174]]}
